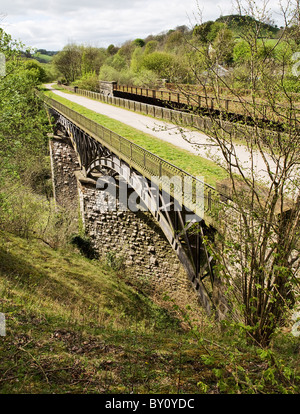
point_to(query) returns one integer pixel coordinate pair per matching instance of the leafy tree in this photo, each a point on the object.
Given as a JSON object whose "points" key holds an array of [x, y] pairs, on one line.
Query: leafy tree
{"points": [[92, 59], [224, 46], [23, 122], [137, 60], [151, 46], [139, 42], [126, 50], [162, 63], [207, 32], [202, 31], [174, 40], [68, 62], [112, 49], [36, 70]]}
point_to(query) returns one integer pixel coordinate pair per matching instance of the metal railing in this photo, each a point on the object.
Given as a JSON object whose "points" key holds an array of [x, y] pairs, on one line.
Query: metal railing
{"points": [[203, 123], [199, 197], [242, 106]]}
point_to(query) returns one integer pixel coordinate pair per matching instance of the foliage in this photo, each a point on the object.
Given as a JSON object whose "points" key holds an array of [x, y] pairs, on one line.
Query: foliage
{"points": [[89, 81], [139, 42], [68, 62], [36, 71], [25, 184], [224, 45], [76, 325], [164, 65], [23, 122], [115, 261]]}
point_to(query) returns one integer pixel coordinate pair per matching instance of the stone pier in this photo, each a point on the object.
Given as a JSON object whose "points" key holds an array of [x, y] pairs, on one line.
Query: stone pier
{"points": [[146, 260]]}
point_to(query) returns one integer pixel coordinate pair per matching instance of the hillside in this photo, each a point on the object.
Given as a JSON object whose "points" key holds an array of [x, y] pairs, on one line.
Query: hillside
{"points": [[237, 23], [76, 326]]}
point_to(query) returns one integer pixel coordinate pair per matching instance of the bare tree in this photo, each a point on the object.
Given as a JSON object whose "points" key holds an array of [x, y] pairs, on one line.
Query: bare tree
{"points": [[257, 241]]}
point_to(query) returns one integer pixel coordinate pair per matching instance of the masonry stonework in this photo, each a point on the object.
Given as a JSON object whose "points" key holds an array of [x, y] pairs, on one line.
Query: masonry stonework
{"points": [[135, 238], [64, 163]]}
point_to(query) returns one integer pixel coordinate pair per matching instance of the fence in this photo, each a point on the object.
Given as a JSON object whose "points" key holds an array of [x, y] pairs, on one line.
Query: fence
{"points": [[203, 123], [198, 196], [241, 106]]}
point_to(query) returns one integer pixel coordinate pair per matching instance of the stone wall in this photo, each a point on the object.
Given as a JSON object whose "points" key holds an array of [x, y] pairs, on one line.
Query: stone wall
{"points": [[107, 88], [64, 163], [149, 263]]}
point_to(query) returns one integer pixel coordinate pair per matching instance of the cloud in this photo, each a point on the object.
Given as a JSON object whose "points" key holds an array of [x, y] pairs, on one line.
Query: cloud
{"points": [[52, 24]]}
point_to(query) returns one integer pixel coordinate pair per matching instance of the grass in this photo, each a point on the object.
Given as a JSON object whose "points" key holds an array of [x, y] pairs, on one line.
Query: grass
{"points": [[183, 159], [43, 58], [74, 325]]}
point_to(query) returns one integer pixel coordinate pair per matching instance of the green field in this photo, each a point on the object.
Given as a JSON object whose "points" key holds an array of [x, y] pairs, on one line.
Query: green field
{"points": [[42, 58]]}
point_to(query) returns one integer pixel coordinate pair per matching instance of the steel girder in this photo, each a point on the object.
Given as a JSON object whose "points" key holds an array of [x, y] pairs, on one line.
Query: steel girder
{"points": [[187, 238]]}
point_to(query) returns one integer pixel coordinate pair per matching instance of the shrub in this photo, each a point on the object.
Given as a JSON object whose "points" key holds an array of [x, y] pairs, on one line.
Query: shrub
{"points": [[85, 246]]}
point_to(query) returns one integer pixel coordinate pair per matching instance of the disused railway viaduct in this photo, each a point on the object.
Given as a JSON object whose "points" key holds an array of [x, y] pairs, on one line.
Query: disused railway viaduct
{"points": [[180, 205]]}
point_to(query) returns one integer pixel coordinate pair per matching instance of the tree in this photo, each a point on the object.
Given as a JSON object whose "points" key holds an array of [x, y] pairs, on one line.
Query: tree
{"points": [[139, 42], [36, 70], [256, 246], [151, 46], [92, 59], [224, 46], [112, 49], [202, 31], [68, 62], [165, 65], [23, 121]]}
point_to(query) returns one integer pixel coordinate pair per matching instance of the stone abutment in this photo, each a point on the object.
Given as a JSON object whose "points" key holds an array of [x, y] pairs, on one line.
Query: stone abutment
{"points": [[131, 241]]}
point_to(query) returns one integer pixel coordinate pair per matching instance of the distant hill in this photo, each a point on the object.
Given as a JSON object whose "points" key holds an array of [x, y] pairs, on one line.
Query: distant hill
{"points": [[237, 22], [46, 52], [43, 55]]}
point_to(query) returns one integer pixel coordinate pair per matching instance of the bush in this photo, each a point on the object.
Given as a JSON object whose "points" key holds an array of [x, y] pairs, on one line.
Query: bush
{"points": [[29, 215], [108, 73], [85, 246], [20, 210], [88, 82], [116, 262]]}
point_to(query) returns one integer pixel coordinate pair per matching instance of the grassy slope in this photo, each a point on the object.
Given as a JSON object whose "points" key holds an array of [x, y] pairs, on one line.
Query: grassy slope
{"points": [[74, 325], [183, 159]]}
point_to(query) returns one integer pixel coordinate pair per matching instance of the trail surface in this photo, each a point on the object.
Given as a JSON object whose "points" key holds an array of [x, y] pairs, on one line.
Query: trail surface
{"points": [[194, 141]]}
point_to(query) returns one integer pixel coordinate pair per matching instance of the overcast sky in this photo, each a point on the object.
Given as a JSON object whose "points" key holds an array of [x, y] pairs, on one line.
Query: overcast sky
{"points": [[54, 23]]}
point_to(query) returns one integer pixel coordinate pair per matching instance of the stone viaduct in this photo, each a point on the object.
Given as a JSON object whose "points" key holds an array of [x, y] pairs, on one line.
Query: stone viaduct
{"points": [[148, 261]]}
